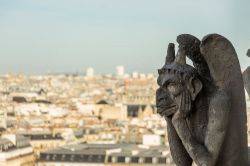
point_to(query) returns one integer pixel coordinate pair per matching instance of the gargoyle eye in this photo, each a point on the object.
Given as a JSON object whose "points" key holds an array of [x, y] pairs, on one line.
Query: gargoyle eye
{"points": [[171, 84], [160, 71]]}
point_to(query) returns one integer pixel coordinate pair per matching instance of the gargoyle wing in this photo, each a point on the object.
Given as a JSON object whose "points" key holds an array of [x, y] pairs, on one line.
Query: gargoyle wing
{"points": [[222, 60], [225, 72]]}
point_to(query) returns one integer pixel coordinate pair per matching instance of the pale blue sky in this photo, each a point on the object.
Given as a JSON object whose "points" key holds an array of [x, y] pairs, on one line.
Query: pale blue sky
{"points": [[40, 36]]}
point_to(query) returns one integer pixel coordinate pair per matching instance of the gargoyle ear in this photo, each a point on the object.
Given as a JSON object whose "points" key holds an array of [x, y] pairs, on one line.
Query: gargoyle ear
{"points": [[194, 87]]}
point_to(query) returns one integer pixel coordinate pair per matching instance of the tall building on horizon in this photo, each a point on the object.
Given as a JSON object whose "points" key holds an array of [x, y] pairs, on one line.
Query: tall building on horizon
{"points": [[120, 70], [135, 74], [90, 72]]}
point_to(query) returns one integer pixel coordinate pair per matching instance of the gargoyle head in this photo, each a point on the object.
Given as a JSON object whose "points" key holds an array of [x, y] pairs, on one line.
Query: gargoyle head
{"points": [[174, 78]]}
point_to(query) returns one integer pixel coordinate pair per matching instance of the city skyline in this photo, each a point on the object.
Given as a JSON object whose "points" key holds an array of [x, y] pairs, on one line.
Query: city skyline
{"points": [[69, 36]]}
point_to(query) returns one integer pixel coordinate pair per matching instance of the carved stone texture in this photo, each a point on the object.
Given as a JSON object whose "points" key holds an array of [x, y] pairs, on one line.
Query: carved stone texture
{"points": [[246, 76], [204, 106]]}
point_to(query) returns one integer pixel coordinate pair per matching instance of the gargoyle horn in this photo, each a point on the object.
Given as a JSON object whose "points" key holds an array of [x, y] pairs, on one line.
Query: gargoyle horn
{"points": [[180, 58], [170, 54]]}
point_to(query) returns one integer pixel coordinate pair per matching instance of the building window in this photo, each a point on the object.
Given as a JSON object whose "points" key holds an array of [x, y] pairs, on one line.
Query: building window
{"points": [[82, 158], [148, 160], [100, 158], [72, 157], [121, 159], [109, 159], [134, 159], [47, 157], [63, 157], [162, 160], [54, 157], [90, 158]]}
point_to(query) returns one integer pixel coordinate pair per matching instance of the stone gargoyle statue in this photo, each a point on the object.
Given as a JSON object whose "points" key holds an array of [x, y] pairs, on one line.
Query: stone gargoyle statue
{"points": [[204, 106], [246, 76]]}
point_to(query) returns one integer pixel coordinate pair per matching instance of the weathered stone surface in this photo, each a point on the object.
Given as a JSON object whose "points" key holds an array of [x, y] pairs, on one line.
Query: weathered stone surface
{"points": [[246, 76], [204, 105]]}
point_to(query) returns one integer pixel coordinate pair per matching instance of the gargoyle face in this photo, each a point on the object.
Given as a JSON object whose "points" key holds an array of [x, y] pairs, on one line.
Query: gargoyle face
{"points": [[165, 104], [171, 86]]}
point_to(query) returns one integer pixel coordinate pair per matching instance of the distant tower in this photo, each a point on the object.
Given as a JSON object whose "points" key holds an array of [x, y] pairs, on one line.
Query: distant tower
{"points": [[90, 72], [120, 70], [135, 75]]}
